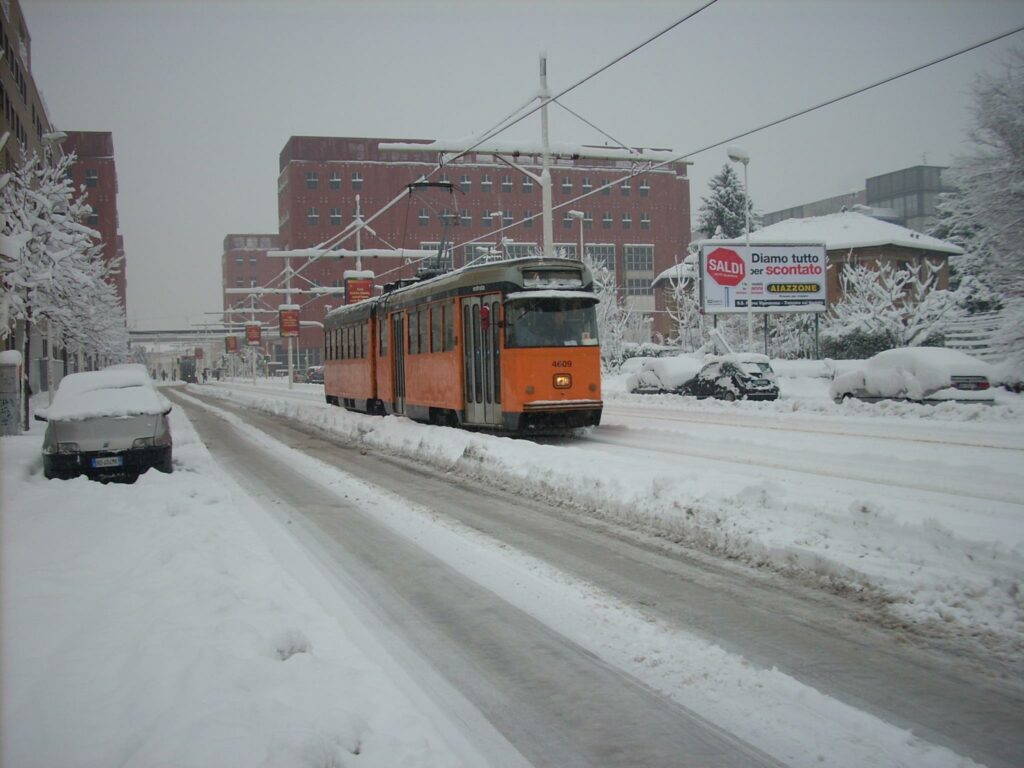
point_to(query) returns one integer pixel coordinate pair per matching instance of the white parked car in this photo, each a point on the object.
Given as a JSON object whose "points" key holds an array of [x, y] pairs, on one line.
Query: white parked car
{"points": [[921, 374], [106, 424]]}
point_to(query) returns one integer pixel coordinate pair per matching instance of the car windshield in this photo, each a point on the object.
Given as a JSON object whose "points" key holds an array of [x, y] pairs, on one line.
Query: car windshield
{"points": [[756, 369], [550, 322]]}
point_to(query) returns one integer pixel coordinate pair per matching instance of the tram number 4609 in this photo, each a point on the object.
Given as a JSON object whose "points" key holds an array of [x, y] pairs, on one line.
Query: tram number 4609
{"points": [[562, 364]]}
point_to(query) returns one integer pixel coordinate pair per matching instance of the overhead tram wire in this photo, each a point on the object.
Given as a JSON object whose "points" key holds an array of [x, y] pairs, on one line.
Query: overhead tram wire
{"points": [[494, 132], [781, 120], [743, 134]]}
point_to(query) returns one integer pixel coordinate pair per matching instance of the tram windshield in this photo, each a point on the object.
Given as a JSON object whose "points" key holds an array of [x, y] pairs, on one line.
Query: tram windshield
{"points": [[551, 322]]}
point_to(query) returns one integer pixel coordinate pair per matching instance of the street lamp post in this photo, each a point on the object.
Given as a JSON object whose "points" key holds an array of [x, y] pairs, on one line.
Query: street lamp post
{"points": [[579, 215], [738, 155]]}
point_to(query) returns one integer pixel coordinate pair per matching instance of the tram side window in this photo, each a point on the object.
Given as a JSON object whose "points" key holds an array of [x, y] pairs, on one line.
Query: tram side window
{"points": [[414, 333], [449, 326], [424, 323], [437, 326], [364, 332], [382, 329]]}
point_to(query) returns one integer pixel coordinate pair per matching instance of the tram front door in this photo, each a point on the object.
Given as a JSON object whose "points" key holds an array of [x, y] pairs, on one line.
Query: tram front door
{"points": [[481, 345]]}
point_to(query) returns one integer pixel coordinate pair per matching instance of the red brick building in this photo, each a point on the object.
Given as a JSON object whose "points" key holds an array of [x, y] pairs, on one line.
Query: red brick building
{"points": [[96, 171]]}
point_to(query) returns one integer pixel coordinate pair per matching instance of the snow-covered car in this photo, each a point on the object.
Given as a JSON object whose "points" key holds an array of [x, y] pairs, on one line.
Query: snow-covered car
{"points": [[106, 424], [921, 374], [662, 375], [315, 374], [737, 376]]}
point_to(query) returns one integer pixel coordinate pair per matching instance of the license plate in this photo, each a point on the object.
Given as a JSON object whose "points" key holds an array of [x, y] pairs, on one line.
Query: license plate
{"points": [[107, 461]]}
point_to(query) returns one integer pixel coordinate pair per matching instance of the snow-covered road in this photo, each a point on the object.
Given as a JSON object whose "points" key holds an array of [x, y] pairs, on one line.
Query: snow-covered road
{"points": [[519, 595]]}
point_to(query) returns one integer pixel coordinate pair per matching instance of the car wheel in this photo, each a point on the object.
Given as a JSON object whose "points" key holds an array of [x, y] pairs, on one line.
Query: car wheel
{"points": [[729, 395]]}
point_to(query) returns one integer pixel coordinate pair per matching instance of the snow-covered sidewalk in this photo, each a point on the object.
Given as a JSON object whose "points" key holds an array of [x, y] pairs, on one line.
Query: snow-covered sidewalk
{"points": [[150, 624]]}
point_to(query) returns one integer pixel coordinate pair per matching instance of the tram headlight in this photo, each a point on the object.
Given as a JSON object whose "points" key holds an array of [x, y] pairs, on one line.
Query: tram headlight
{"points": [[563, 380]]}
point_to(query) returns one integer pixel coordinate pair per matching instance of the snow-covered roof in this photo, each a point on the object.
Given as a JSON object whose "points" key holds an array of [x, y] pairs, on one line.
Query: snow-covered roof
{"points": [[684, 270], [845, 230]]}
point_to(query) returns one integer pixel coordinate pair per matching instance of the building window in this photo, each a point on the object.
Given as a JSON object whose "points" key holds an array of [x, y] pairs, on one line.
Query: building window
{"points": [[601, 255], [625, 187], [313, 216], [565, 250], [587, 186], [566, 185], [639, 258], [485, 219], [252, 258], [334, 182], [485, 182], [424, 217], [639, 287], [506, 183], [465, 183], [312, 180], [239, 258], [239, 283], [566, 221], [93, 219], [252, 283], [627, 221], [92, 177], [645, 221], [466, 217], [527, 184], [528, 218], [605, 189], [335, 216], [445, 179], [606, 221], [506, 219], [588, 220], [357, 180], [645, 188]]}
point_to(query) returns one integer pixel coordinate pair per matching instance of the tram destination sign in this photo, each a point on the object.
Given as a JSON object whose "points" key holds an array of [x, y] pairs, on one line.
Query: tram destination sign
{"points": [[775, 278]]}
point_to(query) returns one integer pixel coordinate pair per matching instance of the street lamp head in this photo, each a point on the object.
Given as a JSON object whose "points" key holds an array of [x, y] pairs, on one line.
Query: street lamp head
{"points": [[738, 155], [55, 137], [576, 214]]}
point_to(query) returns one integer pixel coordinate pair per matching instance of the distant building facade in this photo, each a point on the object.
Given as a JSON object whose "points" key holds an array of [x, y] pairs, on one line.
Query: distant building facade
{"points": [[907, 197], [96, 172], [23, 113], [637, 227]]}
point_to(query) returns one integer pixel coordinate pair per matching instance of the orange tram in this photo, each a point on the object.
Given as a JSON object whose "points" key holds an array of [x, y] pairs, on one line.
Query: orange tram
{"points": [[507, 346]]}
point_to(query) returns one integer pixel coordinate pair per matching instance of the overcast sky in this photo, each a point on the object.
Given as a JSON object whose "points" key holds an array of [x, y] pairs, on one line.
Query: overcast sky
{"points": [[202, 95]]}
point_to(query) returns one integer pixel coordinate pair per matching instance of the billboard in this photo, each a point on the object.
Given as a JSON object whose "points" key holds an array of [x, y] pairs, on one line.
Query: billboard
{"points": [[771, 278], [252, 334], [230, 343]]}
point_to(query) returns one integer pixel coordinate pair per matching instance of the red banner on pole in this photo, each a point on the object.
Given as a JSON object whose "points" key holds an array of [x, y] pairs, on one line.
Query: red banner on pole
{"points": [[230, 343], [199, 353], [288, 322], [252, 335], [358, 289]]}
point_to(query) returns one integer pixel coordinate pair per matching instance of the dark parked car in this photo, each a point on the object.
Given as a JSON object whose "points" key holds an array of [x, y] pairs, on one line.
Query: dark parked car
{"points": [[734, 377], [106, 424], [315, 374]]}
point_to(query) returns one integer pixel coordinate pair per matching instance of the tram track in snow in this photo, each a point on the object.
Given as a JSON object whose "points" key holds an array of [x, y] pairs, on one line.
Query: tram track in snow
{"points": [[648, 442]]}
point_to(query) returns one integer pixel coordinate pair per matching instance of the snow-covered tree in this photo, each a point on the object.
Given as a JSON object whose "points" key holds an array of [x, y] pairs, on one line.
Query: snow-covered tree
{"points": [[617, 326], [985, 216], [721, 213], [682, 302], [51, 267], [898, 307]]}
